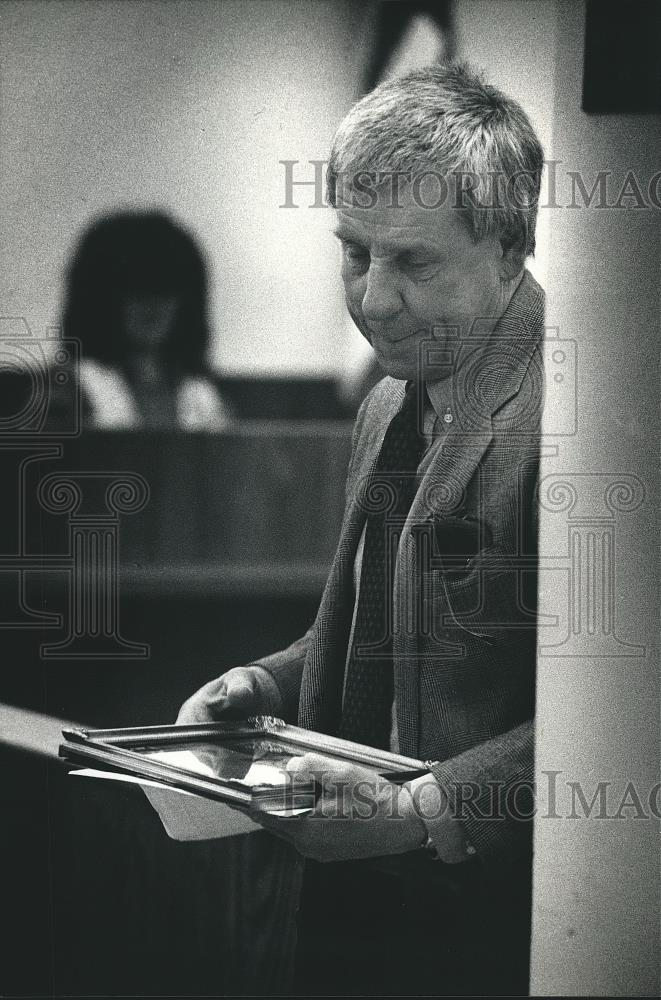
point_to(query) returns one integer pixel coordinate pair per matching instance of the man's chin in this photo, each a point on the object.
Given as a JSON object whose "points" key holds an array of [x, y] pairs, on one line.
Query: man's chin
{"points": [[398, 369], [401, 358]]}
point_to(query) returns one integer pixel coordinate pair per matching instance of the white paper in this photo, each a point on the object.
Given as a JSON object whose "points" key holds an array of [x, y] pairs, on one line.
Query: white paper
{"points": [[186, 816]]}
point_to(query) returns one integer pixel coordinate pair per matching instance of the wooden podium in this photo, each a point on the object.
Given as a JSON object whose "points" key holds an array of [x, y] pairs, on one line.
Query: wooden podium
{"points": [[222, 544]]}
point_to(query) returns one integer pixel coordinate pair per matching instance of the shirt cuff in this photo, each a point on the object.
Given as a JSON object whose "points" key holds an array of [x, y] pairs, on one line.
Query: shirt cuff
{"points": [[446, 837]]}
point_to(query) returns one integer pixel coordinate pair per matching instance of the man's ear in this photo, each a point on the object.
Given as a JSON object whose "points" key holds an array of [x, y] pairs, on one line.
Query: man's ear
{"points": [[513, 258]]}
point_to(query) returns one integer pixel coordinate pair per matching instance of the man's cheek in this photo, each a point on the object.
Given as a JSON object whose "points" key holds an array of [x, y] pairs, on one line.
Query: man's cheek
{"points": [[356, 316]]}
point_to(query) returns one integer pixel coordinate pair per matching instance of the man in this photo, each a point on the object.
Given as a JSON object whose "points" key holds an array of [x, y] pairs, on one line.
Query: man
{"points": [[425, 638]]}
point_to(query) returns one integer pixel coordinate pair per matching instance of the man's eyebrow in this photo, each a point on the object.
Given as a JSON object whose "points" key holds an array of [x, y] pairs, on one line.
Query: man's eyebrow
{"points": [[401, 249], [347, 235], [415, 246]]}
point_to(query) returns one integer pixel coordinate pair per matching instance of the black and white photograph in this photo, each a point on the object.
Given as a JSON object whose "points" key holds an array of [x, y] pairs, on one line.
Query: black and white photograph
{"points": [[329, 498]]}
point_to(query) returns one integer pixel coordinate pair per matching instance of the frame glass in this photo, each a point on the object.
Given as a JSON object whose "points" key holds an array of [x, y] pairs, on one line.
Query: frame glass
{"points": [[241, 762]]}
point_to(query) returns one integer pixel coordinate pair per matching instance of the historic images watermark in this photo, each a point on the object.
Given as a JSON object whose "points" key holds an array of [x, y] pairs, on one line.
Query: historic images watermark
{"points": [[554, 796], [42, 411], [304, 186]]}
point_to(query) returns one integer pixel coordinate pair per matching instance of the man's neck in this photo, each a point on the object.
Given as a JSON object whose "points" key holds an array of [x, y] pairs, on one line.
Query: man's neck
{"points": [[440, 390]]}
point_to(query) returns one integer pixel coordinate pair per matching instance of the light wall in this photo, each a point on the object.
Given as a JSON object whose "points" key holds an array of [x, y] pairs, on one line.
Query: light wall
{"points": [[597, 878], [187, 107]]}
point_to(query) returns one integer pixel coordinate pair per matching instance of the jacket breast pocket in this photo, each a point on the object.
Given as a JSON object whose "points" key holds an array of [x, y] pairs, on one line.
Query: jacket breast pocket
{"points": [[481, 596], [457, 541]]}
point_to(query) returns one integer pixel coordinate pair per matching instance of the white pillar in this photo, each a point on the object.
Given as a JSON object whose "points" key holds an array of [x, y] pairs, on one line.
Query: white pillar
{"points": [[596, 877]]}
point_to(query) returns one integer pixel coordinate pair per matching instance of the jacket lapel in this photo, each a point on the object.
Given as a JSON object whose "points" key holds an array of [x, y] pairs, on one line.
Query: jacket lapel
{"points": [[323, 676], [441, 493]]}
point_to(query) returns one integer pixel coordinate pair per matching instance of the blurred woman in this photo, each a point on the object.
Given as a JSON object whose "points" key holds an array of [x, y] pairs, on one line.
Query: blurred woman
{"points": [[137, 302]]}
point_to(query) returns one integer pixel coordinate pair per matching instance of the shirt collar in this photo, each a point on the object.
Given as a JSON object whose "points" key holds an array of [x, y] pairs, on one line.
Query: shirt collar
{"points": [[440, 395]]}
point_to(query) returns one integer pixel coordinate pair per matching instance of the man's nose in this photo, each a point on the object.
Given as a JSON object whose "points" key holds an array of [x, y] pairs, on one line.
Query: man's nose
{"points": [[381, 299]]}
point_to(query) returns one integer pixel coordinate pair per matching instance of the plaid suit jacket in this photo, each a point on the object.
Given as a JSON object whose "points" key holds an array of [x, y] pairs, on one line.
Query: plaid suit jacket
{"points": [[463, 642]]}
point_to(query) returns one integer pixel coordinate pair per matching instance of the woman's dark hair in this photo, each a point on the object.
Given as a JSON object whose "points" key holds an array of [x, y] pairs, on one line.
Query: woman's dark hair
{"points": [[136, 253]]}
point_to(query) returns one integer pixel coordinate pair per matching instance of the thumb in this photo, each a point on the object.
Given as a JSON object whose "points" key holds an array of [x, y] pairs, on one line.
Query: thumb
{"points": [[313, 767]]}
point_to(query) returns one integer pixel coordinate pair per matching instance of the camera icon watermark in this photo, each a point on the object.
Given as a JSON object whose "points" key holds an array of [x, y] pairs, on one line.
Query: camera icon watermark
{"points": [[41, 395], [486, 370], [40, 411]]}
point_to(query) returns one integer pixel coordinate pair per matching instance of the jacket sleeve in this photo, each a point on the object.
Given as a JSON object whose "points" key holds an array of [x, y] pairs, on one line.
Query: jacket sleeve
{"points": [[286, 669], [490, 790]]}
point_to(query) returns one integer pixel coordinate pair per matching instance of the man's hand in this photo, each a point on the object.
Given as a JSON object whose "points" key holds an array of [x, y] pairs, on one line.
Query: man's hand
{"points": [[358, 815], [251, 689]]}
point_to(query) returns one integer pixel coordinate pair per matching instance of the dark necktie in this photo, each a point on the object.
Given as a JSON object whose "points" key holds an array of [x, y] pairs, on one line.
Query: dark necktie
{"points": [[368, 692]]}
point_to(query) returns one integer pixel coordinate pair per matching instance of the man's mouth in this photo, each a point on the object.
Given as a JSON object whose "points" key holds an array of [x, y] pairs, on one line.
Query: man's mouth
{"points": [[390, 338]]}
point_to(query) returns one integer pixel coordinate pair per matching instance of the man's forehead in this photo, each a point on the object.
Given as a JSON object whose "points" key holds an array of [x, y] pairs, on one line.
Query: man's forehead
{"points": [[395, 226]]}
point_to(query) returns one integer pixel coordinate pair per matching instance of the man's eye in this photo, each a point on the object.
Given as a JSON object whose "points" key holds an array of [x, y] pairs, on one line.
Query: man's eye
{"points": [[355, 252], [356, 256], [418, 264], [420, 269]]}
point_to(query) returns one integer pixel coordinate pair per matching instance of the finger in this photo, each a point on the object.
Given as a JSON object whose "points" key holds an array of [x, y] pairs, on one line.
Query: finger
{"points": [[193, 713], [312, 765], [215, 692], [212, 711], [298, 768], [239, 693], [328, 773]]}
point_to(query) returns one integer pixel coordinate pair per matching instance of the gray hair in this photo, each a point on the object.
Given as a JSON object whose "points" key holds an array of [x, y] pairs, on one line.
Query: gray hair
{"points": [[445, 120]]}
